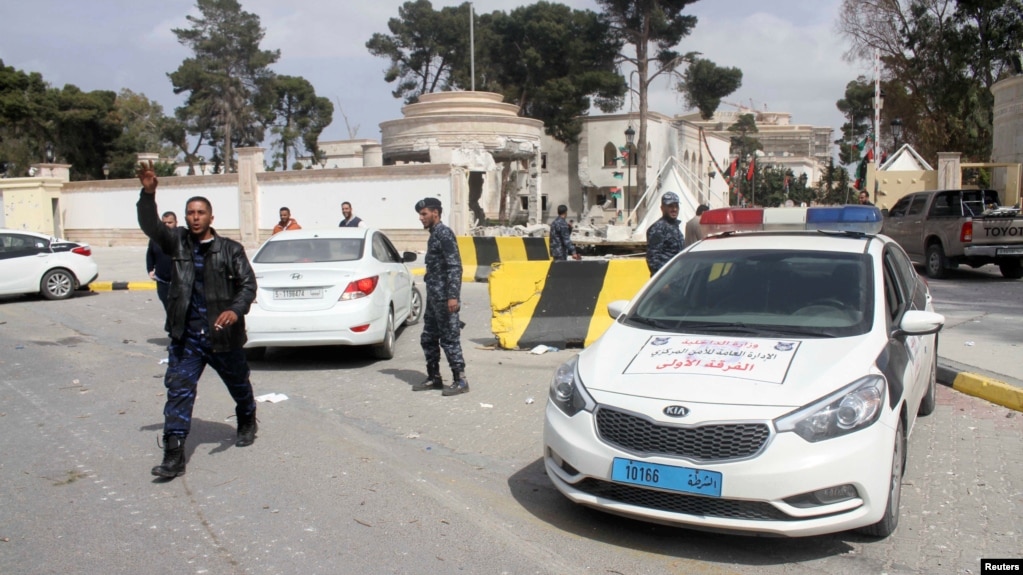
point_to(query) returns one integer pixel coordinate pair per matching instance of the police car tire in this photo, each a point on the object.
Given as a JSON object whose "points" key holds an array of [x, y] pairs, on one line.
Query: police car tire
{"points": [[890, 520]]}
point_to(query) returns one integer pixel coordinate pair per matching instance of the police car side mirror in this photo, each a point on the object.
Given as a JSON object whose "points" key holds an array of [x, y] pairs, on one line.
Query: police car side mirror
{"points": [[915, 322], [616, 308], [408, 256]]}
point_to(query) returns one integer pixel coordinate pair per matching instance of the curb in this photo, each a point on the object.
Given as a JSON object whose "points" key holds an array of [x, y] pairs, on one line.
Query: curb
{"points": [[112, 286], [982, 386]]}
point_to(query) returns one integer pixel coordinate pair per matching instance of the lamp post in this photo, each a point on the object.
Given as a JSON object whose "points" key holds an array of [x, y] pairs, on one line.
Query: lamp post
{"points": [[202, 164], [896, 126], [49, 153], [106, 171], [630, 136]]}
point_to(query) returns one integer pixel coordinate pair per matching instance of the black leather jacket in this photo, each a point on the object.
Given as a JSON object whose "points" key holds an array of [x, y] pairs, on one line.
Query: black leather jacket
{"points": [[229, 280]]}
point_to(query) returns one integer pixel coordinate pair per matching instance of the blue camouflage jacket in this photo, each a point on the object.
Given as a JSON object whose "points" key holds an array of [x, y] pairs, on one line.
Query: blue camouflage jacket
{"points": [[443, 277], [663, 240], [561, 239]]}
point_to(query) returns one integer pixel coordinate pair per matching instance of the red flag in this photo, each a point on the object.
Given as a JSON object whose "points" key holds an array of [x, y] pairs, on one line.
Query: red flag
{"points": [[752, 168], [733, 168], [870, 154]]}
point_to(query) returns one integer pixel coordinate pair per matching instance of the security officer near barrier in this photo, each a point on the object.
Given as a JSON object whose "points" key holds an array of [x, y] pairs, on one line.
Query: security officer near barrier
{"points": [[441, 326], [212, 287], [664, 238], [561, 237]]}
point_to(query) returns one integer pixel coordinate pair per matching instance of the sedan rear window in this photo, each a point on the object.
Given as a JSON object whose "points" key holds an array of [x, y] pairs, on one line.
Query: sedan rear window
{"points": [[310, 250], [804, 293]]}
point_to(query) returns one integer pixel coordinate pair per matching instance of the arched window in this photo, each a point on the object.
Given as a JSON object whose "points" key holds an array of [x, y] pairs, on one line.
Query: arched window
{"points": [[610, 155]]}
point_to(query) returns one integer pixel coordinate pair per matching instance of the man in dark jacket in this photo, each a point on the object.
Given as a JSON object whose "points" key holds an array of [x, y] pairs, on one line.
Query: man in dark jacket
{"points": [[664, 238], [212, 287], [561, 237], [159, 264]]}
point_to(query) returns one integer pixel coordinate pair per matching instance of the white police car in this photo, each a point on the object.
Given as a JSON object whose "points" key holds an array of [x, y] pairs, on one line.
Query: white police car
{"points": [[761, 382]]}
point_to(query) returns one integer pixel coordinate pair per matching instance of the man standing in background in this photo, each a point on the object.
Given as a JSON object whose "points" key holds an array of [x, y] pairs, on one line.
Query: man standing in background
{"points": [[664, 238], [693, 231], [159, 264], [561, 237], [350, 221]]}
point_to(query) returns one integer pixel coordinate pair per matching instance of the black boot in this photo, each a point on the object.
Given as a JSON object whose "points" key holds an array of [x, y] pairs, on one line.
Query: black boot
{"points": [[460, 385], [247, 428], [173, 457], [433, 380]]}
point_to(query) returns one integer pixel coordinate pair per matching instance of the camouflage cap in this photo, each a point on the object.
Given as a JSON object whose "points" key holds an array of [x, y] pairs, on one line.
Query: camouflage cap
{"points": [[427, 203], [669, 198]]}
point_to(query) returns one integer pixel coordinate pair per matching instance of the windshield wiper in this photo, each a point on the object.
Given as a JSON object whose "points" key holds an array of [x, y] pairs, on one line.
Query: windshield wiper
{"points": [[655, 323], [719, 326]]}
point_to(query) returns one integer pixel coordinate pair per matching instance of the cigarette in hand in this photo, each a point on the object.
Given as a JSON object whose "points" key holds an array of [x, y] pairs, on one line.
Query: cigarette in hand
{"points": [[218, 326]]}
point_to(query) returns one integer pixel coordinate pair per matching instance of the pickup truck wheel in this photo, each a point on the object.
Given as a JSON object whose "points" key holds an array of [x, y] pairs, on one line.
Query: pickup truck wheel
{"points": [[1011, 269], [936, 262]]}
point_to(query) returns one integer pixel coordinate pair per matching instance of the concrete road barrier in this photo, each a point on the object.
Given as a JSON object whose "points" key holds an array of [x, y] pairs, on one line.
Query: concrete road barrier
{"points": [[480, 253], [562, 303]]}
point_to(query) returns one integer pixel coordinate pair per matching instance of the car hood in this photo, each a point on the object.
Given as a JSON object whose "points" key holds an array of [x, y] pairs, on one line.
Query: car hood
{"points": [[737, 370]]}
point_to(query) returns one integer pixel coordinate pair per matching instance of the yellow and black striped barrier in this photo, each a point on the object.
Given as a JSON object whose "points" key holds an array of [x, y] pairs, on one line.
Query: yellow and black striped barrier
{"points": [[559, 303], [480, 253]]}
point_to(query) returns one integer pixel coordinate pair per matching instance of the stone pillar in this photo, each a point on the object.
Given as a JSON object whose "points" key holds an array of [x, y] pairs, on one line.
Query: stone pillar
{"points": [[458, 211], [250, 163], [950, 176], [372, 155], [60, 172]]}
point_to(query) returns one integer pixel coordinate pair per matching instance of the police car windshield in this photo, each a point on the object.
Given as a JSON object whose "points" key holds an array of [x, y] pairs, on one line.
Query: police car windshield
{"points": [[804, 293]]}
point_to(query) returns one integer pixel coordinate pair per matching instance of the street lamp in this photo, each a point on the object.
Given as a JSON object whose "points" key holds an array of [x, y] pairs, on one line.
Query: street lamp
{"points": [[106, 171], [896, 126], [630, 136], [202, 164], [49, 152]]}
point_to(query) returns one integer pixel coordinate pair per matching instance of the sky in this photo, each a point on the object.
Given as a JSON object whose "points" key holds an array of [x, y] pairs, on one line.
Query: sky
{"points": [[789, 51]]}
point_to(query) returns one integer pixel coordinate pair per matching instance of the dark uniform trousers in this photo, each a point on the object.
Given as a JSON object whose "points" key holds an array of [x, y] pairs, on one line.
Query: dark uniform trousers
{"points": [[442, 330], [189, 356]]}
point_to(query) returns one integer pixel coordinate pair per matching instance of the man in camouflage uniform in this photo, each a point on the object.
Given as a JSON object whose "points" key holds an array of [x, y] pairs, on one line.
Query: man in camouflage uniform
{"points": [[561, 237], [664, 238], [441, 326]]}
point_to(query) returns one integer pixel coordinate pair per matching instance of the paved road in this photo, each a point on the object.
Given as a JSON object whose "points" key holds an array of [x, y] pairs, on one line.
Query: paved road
{"points": [[354, 473]]}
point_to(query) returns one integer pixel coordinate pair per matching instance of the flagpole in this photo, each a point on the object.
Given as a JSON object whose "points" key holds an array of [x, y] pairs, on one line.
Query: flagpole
{"points": [[472, 49]]}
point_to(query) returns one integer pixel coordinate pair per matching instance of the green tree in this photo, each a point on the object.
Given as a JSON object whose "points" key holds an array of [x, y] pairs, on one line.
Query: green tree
{"points": [[227, 79], [704, 83], [940, 59], [858, 108], [653, 28], [551, 60], [26, 107], [85, 128], [142, 129], [425, 48], [300, 116]]}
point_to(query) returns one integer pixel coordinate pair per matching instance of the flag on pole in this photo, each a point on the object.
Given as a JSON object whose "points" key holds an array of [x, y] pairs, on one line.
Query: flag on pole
{"points": [[734, 167], [617, 175], [752, 169]]}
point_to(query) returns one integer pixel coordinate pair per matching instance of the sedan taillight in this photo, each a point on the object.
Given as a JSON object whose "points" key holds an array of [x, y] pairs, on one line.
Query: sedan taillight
{"points": [[360, 288], [82, 251]]}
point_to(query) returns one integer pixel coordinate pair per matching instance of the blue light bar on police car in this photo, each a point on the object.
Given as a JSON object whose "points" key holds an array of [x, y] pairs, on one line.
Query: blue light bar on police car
{"points": [[858, 219]]}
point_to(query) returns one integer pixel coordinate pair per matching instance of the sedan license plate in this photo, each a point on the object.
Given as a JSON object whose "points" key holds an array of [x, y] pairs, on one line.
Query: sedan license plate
{"points": [[684, 479], [1009, 251], [316, 293]]}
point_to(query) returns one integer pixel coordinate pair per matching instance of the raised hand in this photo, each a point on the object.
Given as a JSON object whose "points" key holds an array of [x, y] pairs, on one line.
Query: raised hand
{"points": [[147, 176]]}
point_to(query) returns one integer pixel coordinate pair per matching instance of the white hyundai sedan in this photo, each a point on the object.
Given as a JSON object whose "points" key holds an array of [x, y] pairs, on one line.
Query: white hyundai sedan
{"points": [[338, 286], [762, 382], [37, 263]]}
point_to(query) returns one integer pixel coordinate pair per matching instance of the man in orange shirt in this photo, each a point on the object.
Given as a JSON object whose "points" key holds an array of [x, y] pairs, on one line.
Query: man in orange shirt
{"points": [[286, 223]]}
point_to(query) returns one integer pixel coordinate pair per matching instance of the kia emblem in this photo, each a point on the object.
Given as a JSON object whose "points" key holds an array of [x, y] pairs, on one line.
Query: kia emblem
{"points": [[676, 411], [296, 276]]}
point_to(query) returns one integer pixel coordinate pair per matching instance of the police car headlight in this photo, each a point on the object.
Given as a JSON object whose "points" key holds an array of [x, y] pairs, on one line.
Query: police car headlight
{"points": [[851, 408], [567, 392]]}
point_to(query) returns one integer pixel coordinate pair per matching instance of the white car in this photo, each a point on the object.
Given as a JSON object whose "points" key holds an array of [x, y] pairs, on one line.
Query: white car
{"points": [[37, 263], [762, 382], [337, 286]]}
